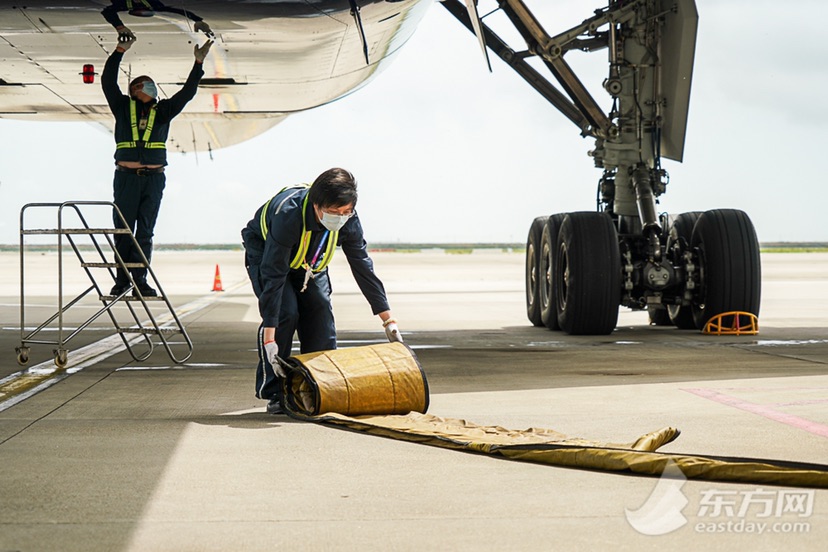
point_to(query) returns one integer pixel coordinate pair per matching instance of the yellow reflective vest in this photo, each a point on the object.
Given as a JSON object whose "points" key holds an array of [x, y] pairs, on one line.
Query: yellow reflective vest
{"points": [[133, 121], [300, 259]]}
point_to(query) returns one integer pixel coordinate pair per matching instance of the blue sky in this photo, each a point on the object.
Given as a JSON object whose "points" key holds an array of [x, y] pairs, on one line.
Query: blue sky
{"points": [[444, 151]]}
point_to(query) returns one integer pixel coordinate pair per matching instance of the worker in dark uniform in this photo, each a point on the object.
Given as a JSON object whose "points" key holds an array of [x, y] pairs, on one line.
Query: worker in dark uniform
{"points": [[141, 127], [145, 8], [288, 245]]}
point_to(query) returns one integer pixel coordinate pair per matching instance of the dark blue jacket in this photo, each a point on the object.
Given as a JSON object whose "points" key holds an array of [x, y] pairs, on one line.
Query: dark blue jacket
{"points": [[166, 110], [284, 230]]}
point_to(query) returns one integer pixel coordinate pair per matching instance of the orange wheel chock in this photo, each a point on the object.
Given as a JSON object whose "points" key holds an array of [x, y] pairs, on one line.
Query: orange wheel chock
{"points": [[732, 323]]}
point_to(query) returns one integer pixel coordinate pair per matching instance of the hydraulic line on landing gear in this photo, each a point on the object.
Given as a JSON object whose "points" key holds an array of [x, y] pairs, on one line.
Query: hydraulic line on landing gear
{"points": [[645, 200]]}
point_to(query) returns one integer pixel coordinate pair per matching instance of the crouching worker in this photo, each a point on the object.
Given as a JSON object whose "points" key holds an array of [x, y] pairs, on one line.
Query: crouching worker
{"points": [[288, 245]]}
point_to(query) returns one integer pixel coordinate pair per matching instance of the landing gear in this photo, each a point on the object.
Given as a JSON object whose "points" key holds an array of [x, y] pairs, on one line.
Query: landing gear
{"points": [[678, 246], [658, 316], [587, 274], [581, 267], [549, 249], [532, 271], [584, 269], [729, 266]]}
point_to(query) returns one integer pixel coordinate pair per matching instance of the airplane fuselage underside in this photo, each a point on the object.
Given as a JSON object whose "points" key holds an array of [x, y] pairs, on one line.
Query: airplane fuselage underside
{"points": [[270, 59], [273, 58]]}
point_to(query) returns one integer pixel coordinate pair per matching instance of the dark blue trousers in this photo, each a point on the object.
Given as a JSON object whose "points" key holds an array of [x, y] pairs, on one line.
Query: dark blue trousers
{"points": [[139, 199], [307, 313]]}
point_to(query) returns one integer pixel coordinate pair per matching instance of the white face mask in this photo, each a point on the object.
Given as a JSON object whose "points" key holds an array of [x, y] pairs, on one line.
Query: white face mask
{"points": [[334, 222], [149, 89]]}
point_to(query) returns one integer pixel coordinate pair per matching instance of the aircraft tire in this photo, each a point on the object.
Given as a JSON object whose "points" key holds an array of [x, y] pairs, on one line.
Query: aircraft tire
{"points": [[658, 316], [728, 259], [587, 274], [681, 232], [532, 264], [546, 271]]}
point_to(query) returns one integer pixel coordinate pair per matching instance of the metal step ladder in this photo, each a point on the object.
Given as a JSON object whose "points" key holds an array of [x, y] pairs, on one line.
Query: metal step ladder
{"points": [[95, 250]]}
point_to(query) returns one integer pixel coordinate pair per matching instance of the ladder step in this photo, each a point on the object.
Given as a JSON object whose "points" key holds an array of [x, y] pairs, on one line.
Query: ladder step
{"points": [[113, 265], [130, 298], [149, 331], [65, 231]]}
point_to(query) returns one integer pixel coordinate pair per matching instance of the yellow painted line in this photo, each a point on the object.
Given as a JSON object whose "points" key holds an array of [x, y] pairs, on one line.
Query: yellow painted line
{"points": [[27, 383], [23, 381]]}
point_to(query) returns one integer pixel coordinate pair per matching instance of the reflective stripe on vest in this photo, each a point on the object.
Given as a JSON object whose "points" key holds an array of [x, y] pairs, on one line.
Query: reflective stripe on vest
{"points": [[133, 120], [299, 260], [263, 216]]}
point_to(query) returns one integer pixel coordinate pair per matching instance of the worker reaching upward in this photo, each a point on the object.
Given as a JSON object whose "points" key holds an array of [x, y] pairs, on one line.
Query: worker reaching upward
{"points": [[142, 123]]}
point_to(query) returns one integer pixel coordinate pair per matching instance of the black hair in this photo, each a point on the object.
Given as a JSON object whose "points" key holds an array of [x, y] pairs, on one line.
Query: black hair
{"points": [[334, 188]]}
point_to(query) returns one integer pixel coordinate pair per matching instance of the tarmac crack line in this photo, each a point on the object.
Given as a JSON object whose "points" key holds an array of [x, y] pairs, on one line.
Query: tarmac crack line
{"points": [[55, 409], [754, 348]]}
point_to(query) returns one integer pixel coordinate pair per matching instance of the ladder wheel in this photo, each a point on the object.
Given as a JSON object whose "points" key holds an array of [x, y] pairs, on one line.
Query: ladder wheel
{"points": [[23, 356], [61, 358]]}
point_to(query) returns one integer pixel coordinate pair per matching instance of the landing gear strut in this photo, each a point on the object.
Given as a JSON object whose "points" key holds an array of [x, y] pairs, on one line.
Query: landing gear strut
{"points": [[580, 267]]}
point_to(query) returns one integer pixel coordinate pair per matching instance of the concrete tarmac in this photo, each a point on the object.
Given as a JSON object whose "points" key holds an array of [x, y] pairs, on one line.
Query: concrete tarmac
{"points": [[152, 456]]}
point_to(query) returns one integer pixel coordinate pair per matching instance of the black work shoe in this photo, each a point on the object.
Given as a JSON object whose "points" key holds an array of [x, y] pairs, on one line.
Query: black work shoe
{"points": [[275, 407], [145, 290], [118, 289]]}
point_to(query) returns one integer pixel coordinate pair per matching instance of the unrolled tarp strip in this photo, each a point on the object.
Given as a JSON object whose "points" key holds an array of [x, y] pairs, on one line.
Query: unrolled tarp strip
{"points": [[382, 390]]}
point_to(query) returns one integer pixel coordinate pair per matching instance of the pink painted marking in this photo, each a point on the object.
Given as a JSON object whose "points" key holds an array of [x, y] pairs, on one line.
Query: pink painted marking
{"points": [[762, 410], [803, 403]]}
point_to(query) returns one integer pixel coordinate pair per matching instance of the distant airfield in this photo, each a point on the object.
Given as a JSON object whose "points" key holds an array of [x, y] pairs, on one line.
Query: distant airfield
{"points": [[455, 248]]}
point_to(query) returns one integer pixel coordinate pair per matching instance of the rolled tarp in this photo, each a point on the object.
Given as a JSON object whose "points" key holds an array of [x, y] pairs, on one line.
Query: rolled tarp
{"points": [[382, 390], [382, 379]]}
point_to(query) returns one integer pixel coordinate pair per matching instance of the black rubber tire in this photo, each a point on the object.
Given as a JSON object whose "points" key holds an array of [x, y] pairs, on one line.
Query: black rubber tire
{"points": [[729, 264], [548, 249], [658, 316], [587, 274], [682, 232], [532, 263], [61, 358]]}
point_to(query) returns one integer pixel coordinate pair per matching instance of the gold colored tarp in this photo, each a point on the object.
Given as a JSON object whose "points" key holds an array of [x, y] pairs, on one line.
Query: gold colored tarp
{"points": [[377, 379], [382, 390]]}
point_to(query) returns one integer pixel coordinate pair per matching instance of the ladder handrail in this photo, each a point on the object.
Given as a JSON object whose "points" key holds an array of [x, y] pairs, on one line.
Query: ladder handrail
{"points": [[147, 327]]}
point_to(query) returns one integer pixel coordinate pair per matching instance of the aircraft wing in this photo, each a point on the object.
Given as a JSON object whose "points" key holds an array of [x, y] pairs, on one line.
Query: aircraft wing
{"points": [[270, 59]]}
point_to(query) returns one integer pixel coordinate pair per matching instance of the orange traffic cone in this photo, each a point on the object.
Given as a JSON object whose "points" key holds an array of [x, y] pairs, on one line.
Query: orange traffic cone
{"points": [[217, 281]]}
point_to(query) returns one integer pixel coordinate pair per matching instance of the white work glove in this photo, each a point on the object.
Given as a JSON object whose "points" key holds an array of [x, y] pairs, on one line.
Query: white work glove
{"points": [[392, 332], [126, 43], [272, 356], [201, 53], [124, 33], [204, 28]]}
